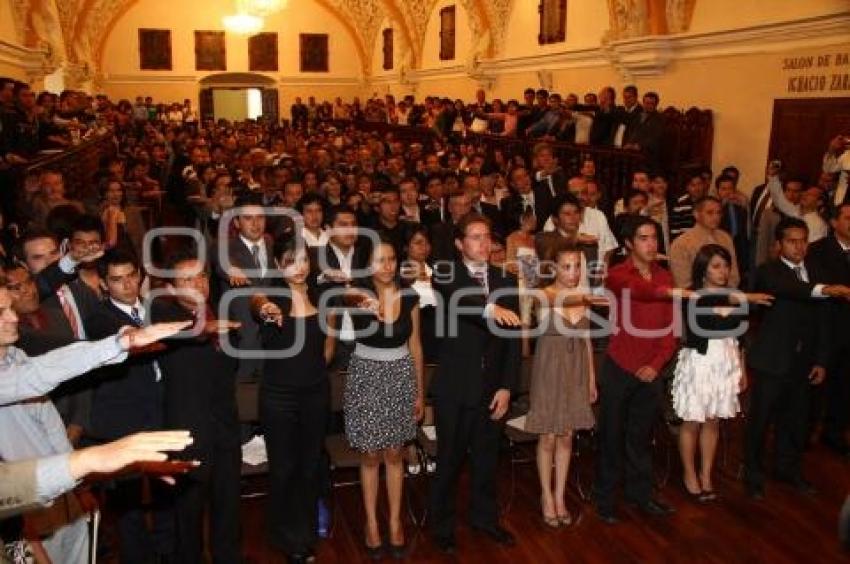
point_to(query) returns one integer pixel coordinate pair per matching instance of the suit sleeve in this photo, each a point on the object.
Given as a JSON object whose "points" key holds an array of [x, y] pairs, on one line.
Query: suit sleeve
{"points": [[771, 281], [50, 279]]}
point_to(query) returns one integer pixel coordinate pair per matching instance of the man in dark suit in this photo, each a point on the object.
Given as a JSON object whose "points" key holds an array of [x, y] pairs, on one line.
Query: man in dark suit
{"points": [[548, 176], [830, 258], [126, 400], [335, 266], [526, 197], [479, 367], [734, 222], [200, 396], [251, 267], [645, 130], [413, 209], [442, 233], [789, 355]]}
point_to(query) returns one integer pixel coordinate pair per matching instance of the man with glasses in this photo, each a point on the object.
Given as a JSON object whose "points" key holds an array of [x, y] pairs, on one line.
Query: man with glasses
{"points": [[478, 370]]}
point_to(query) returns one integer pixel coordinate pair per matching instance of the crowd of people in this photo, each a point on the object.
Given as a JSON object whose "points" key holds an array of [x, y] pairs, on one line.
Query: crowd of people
{"points": [[319, 250]]}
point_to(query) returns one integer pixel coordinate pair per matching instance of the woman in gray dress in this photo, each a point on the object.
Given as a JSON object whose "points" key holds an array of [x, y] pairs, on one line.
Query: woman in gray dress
{"points": [[383, 394], [563, 380]]}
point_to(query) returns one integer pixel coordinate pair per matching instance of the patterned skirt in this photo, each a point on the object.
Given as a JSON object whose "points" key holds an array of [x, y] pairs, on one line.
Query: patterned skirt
{"points": [[380, 394]]}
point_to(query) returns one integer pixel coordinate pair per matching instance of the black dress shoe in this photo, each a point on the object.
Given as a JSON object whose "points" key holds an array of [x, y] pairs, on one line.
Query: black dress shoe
{"points": [[655, 508], [607, 516], [498, 534], [446, 545], [800, 484]]}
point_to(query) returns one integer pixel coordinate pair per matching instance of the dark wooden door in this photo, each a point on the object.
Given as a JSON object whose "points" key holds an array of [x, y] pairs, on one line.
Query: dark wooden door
{"points": [[271, 109], [206, 104], [801, 131]]}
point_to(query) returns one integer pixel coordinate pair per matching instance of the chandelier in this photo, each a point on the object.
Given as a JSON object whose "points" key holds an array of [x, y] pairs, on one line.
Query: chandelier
{"points": [[261, 8], [249, 15], [242, 23]]}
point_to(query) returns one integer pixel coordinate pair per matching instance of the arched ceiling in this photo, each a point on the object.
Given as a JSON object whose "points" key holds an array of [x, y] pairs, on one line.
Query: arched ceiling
{"points": [[85, 24]]}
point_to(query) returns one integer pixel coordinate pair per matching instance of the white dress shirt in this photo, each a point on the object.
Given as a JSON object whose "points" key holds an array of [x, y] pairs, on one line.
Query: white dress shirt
{"points": [[262, 255], [141, 312], [593, 222]]}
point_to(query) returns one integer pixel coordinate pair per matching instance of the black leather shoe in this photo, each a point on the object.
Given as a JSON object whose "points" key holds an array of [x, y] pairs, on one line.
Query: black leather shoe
{"points": [[498, 534], [607, 516], [800, 484], [655, 508], [446, 545]]}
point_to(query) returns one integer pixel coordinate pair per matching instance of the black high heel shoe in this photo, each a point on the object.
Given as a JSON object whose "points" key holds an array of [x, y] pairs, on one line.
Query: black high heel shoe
{"points": [[694, 497], [374, 552], [398, 551]]}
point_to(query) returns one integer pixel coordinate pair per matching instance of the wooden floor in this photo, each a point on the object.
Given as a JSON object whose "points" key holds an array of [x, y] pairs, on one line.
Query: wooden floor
{"points": [[785, 527]]}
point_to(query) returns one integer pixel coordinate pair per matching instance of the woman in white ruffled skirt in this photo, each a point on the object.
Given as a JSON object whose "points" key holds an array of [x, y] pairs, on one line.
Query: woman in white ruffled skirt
{"points": [[709, 373]]}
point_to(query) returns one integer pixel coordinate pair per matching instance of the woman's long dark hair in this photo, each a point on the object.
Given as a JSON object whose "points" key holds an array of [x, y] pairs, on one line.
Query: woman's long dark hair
{"points": [[285, 251], [701, 261]]}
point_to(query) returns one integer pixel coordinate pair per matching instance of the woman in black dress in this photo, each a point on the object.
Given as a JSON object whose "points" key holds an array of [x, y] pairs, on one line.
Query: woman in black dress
{"points": [[294, 403], [383, 393]]}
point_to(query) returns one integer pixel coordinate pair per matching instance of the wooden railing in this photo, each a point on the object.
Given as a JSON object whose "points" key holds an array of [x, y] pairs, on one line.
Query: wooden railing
{"points": [[78, 164], [687, 143]]}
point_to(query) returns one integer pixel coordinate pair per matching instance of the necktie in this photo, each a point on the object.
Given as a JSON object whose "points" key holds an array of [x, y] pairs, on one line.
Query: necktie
{"points": [[134, 315], [255, 254], [798, 271], [480, 276], [733, 220], [69, 313]]}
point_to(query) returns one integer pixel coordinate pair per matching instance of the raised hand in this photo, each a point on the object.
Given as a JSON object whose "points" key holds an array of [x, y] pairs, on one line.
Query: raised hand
{"points": [[137, 337]]}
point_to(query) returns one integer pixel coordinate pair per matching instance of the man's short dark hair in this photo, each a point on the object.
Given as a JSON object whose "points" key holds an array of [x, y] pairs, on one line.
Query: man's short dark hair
{"points": [[310, 199], [562, 200], [467, 220], [32, 234], [250, 199], [653, 95], [706, 199], [114, 257], [632, 226], [631, 88], [180, 256], [632, 194], [336, 211], [723, 178], [88, 224], [835, 212], [787, 223]]}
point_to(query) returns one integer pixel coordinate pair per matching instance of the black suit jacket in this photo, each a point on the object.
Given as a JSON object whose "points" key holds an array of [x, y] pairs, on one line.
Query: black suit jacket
{"points": [[793, 331], [127, 397], [832, 266], [199, 387], [239, 309], [646, 129], [474, 362], [443, 241], [512, 208]]}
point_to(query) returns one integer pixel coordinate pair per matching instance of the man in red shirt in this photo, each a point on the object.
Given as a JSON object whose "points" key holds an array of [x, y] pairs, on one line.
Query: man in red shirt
{"points": [[630, 389]]}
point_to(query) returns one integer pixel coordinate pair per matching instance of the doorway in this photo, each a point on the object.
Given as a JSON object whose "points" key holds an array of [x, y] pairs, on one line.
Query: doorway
{"points": [[802, 129], [237, 104], [239, 96]]}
